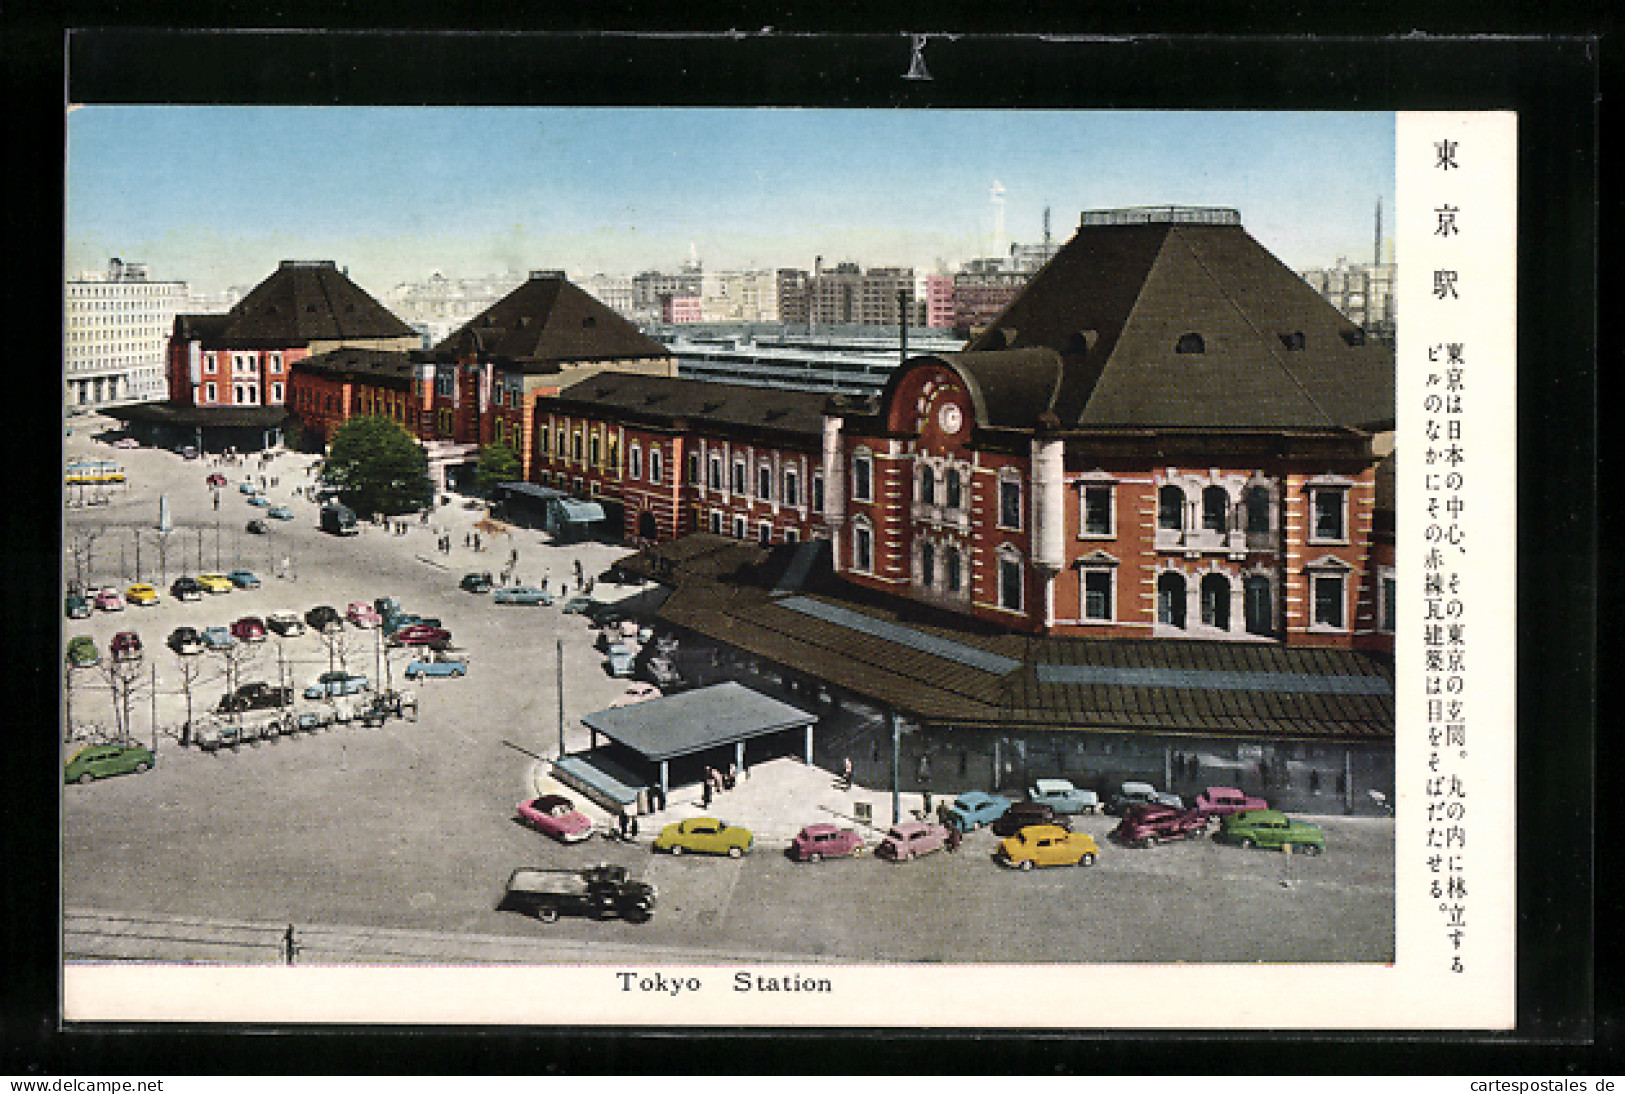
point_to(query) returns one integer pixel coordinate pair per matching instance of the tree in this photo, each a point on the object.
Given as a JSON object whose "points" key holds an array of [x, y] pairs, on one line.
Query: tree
{"points": [[377, 467], [498, 463]]}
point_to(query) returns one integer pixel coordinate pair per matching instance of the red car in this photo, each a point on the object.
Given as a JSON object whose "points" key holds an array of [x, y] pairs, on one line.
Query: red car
{"points": [[910, 840], [126, 646], [1146, 825], [420, 634], [1221, 801], [555, 815], [817, 842], [250, 628], [363, 615], [216, 479]]}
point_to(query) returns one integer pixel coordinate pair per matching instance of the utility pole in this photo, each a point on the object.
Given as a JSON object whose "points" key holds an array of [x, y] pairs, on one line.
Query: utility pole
{"points": [[896, 767], [560, 690], [153, 684]]}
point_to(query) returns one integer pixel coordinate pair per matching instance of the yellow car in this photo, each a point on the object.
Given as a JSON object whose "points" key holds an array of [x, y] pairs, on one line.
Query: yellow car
{"points": [[141, 594], [1047, 845], [214, 583]]}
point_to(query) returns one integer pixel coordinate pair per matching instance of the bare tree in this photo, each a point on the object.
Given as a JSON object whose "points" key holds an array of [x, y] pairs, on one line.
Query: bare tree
{"points": [[339, 648], [237, 657], [190, 668], [83, 549], [125, 681]]}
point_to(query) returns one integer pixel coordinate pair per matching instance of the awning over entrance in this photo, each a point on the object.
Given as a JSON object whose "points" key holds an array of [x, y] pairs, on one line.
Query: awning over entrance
{"points": [[694, 721]]}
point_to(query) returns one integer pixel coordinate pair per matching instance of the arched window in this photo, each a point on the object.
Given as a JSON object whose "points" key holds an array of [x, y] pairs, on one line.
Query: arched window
{"points": [[1171, 599], [1190, 343], [951, 569], [863, 546], [1256, 602], [928, 485], [928, 564], [951, 488], [1011, 580], [862, 475], [1216, 510], [1216, 601], [655, 466], [1010, 500], [1171, 508], [634, 462]]}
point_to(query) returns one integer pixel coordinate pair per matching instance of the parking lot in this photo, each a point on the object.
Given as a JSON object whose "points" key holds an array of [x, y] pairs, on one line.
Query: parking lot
{"points": [[411, 825]]}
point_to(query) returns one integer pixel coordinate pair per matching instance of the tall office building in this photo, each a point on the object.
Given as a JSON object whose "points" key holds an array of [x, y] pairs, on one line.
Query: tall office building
{"points": [[115, 330]]}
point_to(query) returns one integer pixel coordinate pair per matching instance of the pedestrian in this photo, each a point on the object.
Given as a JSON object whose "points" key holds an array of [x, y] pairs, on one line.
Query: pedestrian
{"points": [[731, 779], [846, 773], [925, 769], [477, 546], [468, 537], [621, 824], [925, 807], [705, 792], [954, 837], [544, 582], [632, 827], [217, 500]]}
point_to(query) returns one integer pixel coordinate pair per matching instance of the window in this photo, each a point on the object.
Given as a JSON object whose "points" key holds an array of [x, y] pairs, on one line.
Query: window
{"points": [[739, 477], [1010, 581], [1328, 596], [209, 395], [541, 441], [276, 393], [764, 482], [1257, 501], [818, 493], [1171, 508], [654, 466], [792, 536], [1097, 510], [614, 453], [862, 480], [1171, 599], [1388, 592], [716, 522], [276, 362], [951, 488], [634, 462], [863, 547], [716, 473], [208, 362], [1216, 601], [561, 449], [928, 565], [1190, 343], [764, 533], [693, 468], [1329, 523], [739, 527], [1216, 510], [1258, 605], [928, 485], [575, 445], [445, 383], [1098, 597], [1009, 502], [950, 567], [792, 487], [592, 449], [239, 394]]}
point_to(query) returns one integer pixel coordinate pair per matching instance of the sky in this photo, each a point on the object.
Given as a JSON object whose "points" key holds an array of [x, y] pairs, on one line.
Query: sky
{"points": [[216, 196]]}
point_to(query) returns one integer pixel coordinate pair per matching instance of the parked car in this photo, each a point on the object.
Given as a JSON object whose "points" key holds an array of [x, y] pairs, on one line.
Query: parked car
{"points": [[636, 693], [259, 501], [1145, 825], [250, 628], [402, 620], [330, 684], [578, 605], [598, 891], [817, 842], [280, 512], [1025, 814], [1133, 793], [387, 606], [911, 839], [101, 761], [1221, 801], [416, 669], [243, 579], [974, 808], [476, 583], [141, 593], [215, 583], [186, 588], [82, 652], [1271, 828], [324, 617], [109, 600], [621, 659], [185, 640], [258, 527], [419, 634], [287, 624], [363, 615], [707, 835], [1047, 845], [126, 442], [1061, 796], [76, 606], [555, 815], [214, 478], [521, 594], [217, 638], [126, 646], [257, 695], [247, 488]]}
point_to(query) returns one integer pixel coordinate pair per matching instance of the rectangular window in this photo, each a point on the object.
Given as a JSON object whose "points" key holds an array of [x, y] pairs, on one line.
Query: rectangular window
{"points": [[716, 473], [655, 468], [1009, 503], [208, 362], [276, 393], [928, 486], [739, 477], [739, 527], [1328, 600], [1390, 591], [1097, 595], [716, 522], [792, 488], [764, 533], [634, 462], [1097, 510], [541, 441], [928, 565], [792, 536], [1329, 522], [1010, 584], [862, 486], [209, 393], [593, 449], [693, 468], [818, 493], [863, 551], [764, 483]]}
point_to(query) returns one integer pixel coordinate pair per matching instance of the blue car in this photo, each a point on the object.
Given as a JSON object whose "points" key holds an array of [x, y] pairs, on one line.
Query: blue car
{"points": [[521, 594], [259, 500], [436, 668], [281, 512], [973, 809], [217, 638], [331, 684], [621, 657], [393, 623], [247, 488], [243, 579]]}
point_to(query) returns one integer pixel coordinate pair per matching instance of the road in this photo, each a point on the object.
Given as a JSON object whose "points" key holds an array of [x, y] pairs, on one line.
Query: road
{"points": [[410, 827]]}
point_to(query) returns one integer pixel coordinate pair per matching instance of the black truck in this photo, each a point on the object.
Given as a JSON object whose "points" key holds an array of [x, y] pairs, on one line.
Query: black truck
{"points": [[598, 891], [339, 520]]}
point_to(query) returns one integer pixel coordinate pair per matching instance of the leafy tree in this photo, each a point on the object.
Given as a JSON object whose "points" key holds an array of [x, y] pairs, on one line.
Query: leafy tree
{"points": [[498, 463], [377, 467]]}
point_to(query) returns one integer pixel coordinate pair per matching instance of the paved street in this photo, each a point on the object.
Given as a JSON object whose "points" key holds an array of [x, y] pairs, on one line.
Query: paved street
{"points": [[353, 833]]}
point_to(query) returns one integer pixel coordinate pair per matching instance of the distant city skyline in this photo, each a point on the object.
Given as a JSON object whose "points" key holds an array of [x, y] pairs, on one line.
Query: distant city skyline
{"points": [[216, 196]]}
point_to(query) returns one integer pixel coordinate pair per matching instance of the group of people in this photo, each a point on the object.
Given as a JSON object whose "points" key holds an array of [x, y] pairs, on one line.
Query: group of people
{"points": [[716, 782]]}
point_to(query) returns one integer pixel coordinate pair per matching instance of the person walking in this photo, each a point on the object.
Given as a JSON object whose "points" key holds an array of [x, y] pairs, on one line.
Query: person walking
{"points": [[705, 791], [846, 773], [954, 836]]}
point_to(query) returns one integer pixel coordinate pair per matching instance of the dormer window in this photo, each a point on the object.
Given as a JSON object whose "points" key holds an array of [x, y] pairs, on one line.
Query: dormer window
{"points": [[1354, 336], [1294, 340], [1190, 343]]}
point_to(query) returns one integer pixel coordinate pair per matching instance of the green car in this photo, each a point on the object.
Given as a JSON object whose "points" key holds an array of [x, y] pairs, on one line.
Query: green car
{"points": [[82, 651], [707, 835], [101, 761], [1271, 828]]}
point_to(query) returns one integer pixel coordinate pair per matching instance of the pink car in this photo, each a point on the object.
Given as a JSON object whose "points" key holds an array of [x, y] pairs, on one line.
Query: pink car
{"points": [[911, 839], [556, 816], [362, 615], [109, 600], [817, 842], [1221, 801]]}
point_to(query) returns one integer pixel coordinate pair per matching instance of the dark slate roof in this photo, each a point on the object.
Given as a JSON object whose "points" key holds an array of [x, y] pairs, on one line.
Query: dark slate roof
{"points": [[949, 673], [1114, 303], [549, 321], [379, 365], [177, 414], [302, 302], [693, 721], [663, 400]]}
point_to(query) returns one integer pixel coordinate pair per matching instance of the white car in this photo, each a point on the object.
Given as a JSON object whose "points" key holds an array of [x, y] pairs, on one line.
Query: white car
{"points": [[287, 624]]}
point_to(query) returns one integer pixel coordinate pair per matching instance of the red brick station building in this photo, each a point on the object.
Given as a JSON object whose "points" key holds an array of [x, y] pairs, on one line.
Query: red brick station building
{"points": [[1140, 526]]}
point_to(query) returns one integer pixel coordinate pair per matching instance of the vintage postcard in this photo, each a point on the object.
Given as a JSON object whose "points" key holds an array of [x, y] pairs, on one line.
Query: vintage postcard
{"points": [[759, 566]]}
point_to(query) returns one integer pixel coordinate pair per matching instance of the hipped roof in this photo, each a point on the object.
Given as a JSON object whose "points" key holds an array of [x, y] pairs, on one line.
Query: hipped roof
{"points": [[302, 302], [549, 321]]}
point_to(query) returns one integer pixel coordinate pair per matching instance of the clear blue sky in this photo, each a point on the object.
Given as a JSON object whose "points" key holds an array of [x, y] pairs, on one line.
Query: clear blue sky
{"points": [[218, 195]]}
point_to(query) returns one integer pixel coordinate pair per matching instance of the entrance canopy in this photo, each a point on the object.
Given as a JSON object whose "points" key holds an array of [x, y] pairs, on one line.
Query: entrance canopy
{"points": [[694, 721]]}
